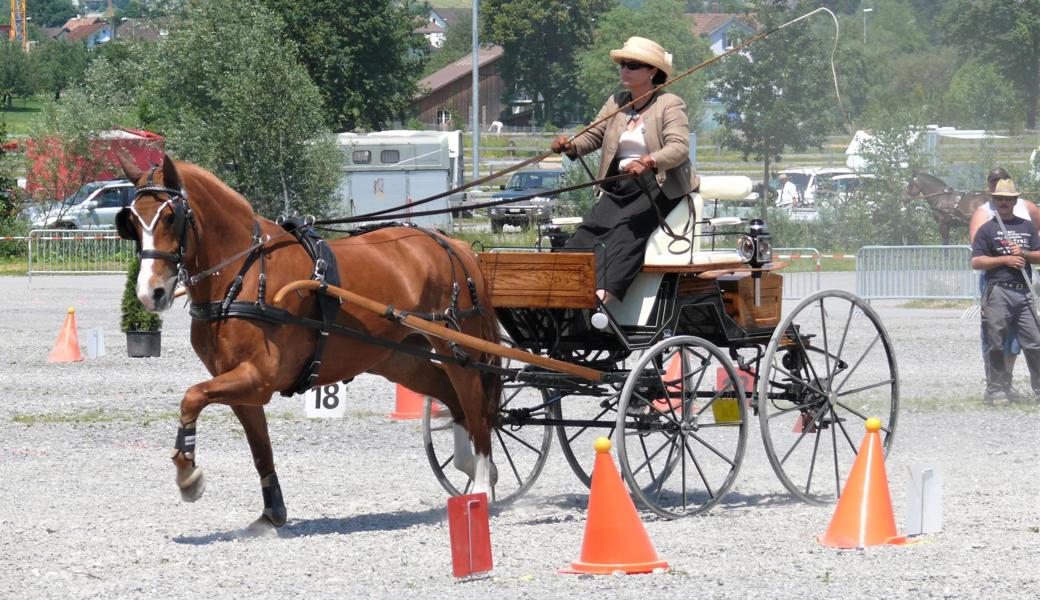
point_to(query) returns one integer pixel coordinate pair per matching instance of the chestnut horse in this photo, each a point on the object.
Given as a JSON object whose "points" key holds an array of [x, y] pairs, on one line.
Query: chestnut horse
{"points": [[187, 222], [949, 207]]}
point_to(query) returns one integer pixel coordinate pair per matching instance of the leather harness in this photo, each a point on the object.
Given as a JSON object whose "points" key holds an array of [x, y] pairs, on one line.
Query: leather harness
{"points": [[326, 271]]}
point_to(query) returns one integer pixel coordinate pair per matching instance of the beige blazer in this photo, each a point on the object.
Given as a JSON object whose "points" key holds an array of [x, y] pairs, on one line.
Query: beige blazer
{"points": [[667, 140]]}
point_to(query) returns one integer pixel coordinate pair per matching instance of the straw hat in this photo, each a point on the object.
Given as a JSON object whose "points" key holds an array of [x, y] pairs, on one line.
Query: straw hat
{"points": [[1005, 187], [645, 51]]}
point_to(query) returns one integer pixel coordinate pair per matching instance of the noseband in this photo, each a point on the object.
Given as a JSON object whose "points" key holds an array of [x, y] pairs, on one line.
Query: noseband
{"points": [[182, 218]]}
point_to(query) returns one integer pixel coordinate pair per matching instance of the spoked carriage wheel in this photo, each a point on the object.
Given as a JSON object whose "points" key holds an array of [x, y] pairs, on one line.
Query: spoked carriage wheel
{"points": [[576, 441], [828, 367], [683, 435], [518, 450]]}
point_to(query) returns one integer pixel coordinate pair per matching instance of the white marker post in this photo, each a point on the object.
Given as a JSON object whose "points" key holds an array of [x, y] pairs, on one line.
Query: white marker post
{"points": [[924, 501]]}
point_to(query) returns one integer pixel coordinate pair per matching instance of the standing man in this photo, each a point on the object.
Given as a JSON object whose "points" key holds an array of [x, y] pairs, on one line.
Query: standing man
{"points": [[1006, 257], [1028, 211], [788, 193]]}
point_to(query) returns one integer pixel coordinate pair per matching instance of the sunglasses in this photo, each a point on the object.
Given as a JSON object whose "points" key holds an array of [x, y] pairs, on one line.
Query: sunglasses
{"points": [[632, 66]]}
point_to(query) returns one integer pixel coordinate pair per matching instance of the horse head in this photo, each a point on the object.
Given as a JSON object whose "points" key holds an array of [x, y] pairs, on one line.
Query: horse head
{"points": [[923, 184], [913, 188], [157, 220]]}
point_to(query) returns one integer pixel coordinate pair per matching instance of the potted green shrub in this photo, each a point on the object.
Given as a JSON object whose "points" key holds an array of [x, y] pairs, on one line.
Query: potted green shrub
{"points": [[142, 328]]}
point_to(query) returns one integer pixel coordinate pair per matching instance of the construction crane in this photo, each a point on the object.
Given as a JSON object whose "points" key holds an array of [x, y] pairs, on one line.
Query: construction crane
{"points": [[19, 32]]}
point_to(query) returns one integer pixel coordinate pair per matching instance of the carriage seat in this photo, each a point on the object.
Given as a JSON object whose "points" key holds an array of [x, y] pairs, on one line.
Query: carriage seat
{"points": [[639, 299], [722, 187]]}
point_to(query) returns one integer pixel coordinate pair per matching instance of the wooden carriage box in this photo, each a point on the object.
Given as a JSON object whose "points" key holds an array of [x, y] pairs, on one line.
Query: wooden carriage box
{"points": [[738, 297], [540, 279]]}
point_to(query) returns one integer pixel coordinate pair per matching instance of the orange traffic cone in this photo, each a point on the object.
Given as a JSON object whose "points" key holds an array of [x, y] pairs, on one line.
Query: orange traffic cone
{"points": [[615, 539], [864, 516], [673, 386], [409, 405], [66, 349]]}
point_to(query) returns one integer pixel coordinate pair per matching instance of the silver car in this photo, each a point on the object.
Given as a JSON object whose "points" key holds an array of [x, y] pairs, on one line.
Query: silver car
{"points": [[93, 206]]}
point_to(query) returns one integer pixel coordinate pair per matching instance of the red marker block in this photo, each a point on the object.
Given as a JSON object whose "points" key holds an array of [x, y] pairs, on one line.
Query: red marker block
{"points": [[470, 534]]}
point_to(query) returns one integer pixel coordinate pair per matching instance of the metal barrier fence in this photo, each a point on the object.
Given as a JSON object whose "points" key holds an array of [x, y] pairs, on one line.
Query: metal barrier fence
{"points": [[802, 274], [911, 272], [77, 251]]}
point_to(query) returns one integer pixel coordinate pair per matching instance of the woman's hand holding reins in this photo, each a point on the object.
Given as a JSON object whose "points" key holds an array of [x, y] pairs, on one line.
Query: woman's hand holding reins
{"points": [[563, 145], [640, 165]]}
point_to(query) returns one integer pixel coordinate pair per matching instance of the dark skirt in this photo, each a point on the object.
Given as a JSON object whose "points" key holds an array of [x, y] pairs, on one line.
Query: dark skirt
{"points": [[618, 228]]}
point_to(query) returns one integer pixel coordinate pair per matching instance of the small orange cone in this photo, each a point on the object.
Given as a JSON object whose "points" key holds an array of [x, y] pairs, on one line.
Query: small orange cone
{"points": [[66, 349], [864, 516], [673, 387], [615, 539], [409, 405]]}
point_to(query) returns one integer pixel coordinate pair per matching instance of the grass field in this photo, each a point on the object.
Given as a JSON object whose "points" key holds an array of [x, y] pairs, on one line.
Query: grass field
{"points": [[20, 118]]}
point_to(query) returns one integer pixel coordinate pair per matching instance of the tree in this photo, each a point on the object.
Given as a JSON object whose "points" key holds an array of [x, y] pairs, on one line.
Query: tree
{"points": [[15, 81], [62, 152], [915, 82], [879, 211], [227, 90], [980, 97], [362, 55], [1005, 33], [598, 75], [50, 13], [57, 64], [8, 205], [541, 39], [777, 94]]}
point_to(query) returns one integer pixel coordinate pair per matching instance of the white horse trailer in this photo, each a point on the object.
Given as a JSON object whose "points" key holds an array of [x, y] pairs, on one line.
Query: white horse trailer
{"points": [[391, 168]]}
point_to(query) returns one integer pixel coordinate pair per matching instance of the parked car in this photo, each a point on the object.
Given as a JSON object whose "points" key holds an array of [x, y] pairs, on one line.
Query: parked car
{"points": [[525, 213], [841, 187], [93, 206], [807, 180]]}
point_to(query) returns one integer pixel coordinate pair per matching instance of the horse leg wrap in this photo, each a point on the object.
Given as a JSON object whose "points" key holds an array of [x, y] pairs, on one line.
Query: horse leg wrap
{"points": [[274, 506], [190, 479], [185, 444]]}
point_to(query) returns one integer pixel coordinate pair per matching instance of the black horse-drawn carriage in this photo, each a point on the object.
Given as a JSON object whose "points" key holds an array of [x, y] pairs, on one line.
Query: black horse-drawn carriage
{"points": [[699, 346]]}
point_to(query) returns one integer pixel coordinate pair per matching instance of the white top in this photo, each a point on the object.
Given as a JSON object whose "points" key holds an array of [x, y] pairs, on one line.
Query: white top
{"points": [[788, 195], [1019, 211], [631, 144]]}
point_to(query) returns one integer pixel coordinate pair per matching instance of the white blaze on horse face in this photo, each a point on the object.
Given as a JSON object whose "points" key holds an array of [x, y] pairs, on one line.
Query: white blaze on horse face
{"points": [[152, 272], [145, 288]]}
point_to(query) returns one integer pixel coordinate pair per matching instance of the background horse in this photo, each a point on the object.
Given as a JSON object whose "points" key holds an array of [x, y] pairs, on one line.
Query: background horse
{"points": [[187, 222], [949, 207]]}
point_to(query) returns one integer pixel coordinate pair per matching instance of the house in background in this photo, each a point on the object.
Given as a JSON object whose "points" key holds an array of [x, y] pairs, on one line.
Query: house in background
{"points": [[446, 96], [92, 31], [436, 27], [433, 33], [723, 30]]}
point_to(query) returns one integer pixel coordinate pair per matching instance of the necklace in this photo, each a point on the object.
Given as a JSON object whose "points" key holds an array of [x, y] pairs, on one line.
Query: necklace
{"points": [[634, 115]]}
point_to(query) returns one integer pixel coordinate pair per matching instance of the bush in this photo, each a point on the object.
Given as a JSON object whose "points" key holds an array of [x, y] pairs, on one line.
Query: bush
{"points": [[135, 317]]}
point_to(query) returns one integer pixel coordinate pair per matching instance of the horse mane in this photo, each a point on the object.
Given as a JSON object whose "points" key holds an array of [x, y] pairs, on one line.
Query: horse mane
{"points": [[197, 179]]}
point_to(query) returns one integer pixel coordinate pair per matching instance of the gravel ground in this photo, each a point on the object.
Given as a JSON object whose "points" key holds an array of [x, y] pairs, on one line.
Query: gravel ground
{"points": [[89, 507]]}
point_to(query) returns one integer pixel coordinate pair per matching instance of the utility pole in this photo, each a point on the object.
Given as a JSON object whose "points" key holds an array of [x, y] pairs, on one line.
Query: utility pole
{"points": [[111, 14], [474, 116]]}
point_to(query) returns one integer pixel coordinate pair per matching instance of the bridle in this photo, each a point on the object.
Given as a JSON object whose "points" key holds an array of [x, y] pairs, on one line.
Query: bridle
{"points": [[183, 216]]}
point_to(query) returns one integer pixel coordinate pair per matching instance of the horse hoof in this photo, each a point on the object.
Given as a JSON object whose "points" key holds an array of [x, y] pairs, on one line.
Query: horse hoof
{"points": [[262, 527], [275, 516], [193, 486]]}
